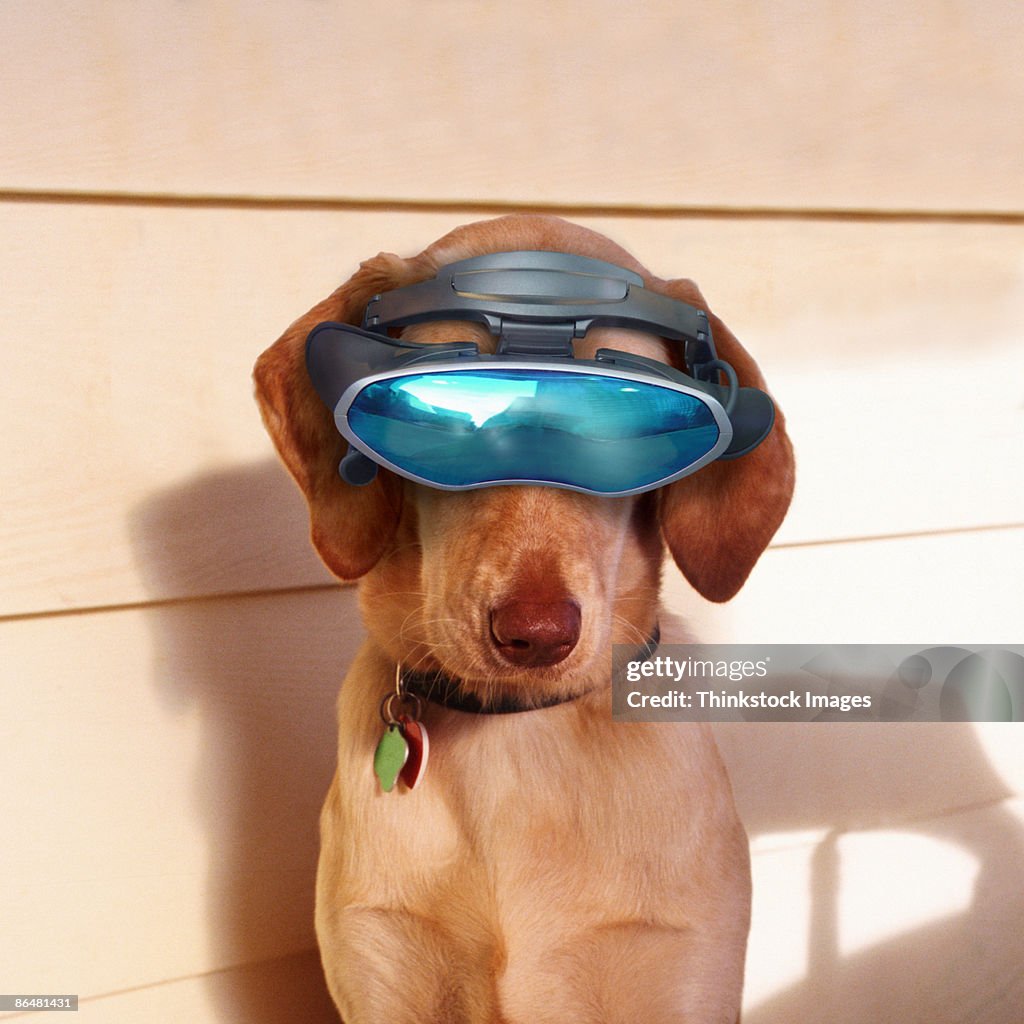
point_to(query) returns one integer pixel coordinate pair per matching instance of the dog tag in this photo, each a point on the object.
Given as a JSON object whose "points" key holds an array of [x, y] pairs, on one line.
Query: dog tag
{"points": [[419, 749], [390, 757]]}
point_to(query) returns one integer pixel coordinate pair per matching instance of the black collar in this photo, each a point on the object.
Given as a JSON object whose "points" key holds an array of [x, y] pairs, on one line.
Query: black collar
{"points": [[438, 688]]}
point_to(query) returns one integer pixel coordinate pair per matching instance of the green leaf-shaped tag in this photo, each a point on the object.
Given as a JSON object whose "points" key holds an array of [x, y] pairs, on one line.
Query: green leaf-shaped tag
{"points": [[389, 757]]}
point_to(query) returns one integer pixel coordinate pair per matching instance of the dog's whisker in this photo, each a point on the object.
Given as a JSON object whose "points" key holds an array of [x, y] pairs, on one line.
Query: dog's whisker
{"points": [[419, 631], [633, 632], [396, 551]]}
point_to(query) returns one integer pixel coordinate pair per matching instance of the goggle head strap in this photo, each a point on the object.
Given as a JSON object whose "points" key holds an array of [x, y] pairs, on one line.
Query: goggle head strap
{"points": [[537, 302]]}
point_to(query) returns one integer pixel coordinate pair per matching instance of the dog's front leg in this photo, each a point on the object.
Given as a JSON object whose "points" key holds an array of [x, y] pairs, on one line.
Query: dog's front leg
{"points": [[394, 967], [403, 931]]}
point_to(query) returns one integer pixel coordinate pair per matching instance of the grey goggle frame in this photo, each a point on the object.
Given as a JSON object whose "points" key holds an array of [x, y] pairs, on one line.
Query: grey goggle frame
{"points": [[536, 303]]}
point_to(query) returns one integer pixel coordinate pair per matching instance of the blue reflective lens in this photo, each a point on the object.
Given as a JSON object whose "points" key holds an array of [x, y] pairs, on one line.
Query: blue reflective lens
{"points": [[468, 427]]}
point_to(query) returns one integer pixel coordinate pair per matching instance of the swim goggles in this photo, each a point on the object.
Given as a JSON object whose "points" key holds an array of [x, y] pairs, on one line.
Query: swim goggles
{"points": [[448, 416]]}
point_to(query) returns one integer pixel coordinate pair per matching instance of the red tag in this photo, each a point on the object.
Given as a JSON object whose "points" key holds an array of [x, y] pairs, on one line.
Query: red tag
{"points": [[419, 748]]}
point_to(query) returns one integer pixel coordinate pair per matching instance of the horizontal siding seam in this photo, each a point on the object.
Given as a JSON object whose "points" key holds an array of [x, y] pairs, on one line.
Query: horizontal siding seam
{"points": [[172, 602], [807, 841], [385, 204], [314, 588], [247, 964]]}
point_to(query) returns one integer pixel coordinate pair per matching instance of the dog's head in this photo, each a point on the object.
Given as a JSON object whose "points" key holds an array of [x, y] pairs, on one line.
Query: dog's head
{"points": [[516, 588]]}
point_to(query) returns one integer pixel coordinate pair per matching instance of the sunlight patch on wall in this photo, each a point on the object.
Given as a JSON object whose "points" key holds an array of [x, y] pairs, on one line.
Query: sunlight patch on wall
{"points": [[777, 952], [893, 882]]}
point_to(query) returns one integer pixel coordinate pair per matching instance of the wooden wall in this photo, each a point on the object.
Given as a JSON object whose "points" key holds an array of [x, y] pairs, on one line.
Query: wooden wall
{"points": [[179, 181]]}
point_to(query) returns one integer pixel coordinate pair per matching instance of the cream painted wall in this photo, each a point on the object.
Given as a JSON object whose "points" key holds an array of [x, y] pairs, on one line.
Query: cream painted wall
{"points": [[178, 182]]}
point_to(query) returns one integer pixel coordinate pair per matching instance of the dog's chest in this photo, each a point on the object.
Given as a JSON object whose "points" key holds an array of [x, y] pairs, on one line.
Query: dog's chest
{"points": [[531, 813]]}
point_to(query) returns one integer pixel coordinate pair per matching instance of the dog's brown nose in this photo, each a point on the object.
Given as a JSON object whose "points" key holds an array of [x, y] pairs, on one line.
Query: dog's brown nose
{"points": [[534, 633]]}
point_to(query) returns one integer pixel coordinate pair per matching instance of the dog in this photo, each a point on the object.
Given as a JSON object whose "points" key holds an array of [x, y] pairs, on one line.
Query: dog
{"points": [[553, 865]]}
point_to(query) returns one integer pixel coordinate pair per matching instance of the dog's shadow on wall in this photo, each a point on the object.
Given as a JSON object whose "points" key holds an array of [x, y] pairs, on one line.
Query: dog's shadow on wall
{"points": [[260, 666]]}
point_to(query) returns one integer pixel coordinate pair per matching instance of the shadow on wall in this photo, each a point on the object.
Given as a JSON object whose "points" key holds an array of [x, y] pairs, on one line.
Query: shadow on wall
{"points": [[262, 673], [914, 909]]}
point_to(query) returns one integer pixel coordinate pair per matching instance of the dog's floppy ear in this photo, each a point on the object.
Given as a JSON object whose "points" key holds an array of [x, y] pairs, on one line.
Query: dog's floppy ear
{"points": [[350, 526], [718, 521]]}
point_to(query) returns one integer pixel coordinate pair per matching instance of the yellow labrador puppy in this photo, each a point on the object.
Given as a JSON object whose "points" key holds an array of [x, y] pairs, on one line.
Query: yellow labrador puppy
{"points": [[551, 865]]}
